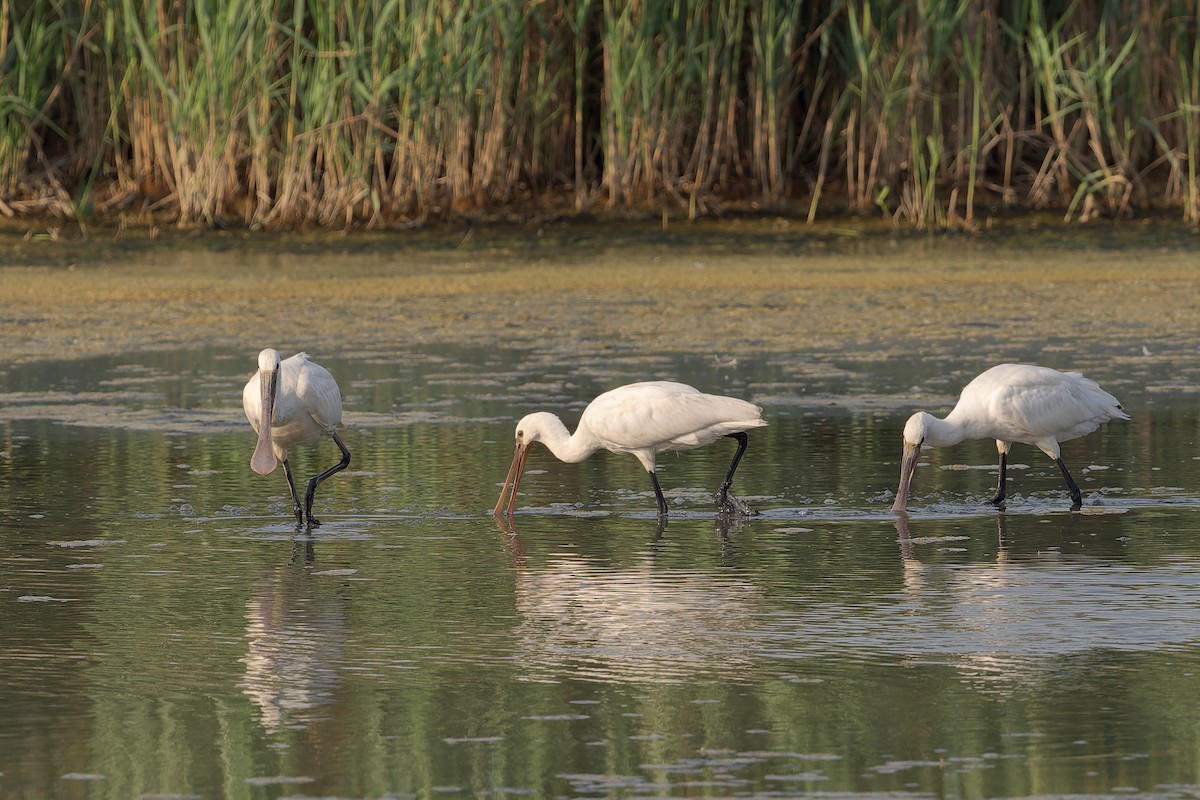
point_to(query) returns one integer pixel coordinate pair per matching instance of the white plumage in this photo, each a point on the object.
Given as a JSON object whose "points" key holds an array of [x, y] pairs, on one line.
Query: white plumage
{"points": [[292, 402], [1013, 403], [642, 419]]}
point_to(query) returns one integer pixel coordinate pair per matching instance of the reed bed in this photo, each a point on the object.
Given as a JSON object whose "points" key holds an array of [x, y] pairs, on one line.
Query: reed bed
{"points": [[283, 113]]}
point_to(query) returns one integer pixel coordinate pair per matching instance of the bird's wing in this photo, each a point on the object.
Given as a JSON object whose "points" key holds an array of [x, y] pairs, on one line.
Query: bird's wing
{"points": [[319, 394], [1047, 404], [252, 401], [662, 415]]}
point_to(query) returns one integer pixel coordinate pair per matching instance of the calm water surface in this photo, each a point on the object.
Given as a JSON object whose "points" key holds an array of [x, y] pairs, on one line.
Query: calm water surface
{"points": [[166, 633]]}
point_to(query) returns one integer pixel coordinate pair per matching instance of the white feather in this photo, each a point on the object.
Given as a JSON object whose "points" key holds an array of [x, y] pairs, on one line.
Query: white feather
{"points": [[661, 416], [1032, 405], [308, 404], [1012, 403], [642, 419]]}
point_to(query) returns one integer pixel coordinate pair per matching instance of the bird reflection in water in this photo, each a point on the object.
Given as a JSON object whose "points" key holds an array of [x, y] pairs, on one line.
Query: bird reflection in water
{"points": [[1025, 605], [296, 631], [587, 619]]}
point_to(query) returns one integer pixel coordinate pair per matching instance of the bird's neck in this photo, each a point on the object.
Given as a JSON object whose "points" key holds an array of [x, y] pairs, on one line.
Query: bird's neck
{"points": [[563, 444], [948, 431]]}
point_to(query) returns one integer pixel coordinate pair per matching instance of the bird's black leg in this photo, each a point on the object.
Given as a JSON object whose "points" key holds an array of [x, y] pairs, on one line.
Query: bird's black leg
{"points": [[1072, 486], [312, 485], [662, 501], [303, 551], [999, 498], [299, 512], [726, 501]]}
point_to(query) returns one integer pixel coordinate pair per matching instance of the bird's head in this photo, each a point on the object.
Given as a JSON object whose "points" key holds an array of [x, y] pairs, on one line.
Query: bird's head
{"points": [[268, 360], [916, 431], [530, 429]]}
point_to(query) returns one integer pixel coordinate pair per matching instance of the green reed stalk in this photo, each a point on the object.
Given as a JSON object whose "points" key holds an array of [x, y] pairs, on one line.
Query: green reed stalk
{"points": [[541, 93], [773, 85], [861, 48], [716, 157], [582, 54], [973, 64], [295, 112], [31, 53], [1046, 55], [653, 63], [1106, 178], [616, 38], [1187, 87]]}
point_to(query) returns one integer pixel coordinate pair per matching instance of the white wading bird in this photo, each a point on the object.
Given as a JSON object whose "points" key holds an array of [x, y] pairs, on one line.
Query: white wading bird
{"points": [[642, 419], [293, 402], [1013, 403]]}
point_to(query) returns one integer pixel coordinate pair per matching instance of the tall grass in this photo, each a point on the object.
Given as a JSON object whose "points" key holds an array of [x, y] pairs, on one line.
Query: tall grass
{"points": [[282, 113], [36, 52]]}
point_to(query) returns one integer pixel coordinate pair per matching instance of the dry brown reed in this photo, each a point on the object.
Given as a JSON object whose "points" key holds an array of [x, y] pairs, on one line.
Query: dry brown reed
{"points": [[274, 114]]}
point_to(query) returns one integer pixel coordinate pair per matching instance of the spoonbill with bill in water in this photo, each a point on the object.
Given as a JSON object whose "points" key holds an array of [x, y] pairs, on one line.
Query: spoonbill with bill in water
{"points": [[1013, 403], [293, 402], [642, 419]]}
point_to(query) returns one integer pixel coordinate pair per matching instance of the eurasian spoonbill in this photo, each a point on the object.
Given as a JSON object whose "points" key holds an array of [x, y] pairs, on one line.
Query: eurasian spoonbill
{"points": [[1013, 403], [643, 419], [293, 402]]}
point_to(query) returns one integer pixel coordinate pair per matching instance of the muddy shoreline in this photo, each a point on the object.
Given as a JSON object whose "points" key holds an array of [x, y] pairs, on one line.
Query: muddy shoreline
{"points": [[727, 288]]}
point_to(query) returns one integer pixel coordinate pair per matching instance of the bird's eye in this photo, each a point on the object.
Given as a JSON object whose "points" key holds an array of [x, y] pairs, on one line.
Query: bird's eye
{"points": [[520, 434]]}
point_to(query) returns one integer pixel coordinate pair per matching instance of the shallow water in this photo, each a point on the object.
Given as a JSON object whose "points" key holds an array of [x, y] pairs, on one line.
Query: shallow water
{"points": [[167, 633]]}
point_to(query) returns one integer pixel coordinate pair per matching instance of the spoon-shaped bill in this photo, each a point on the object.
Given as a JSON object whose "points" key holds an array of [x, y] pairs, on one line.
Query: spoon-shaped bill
{"points": [[515, 470], [263, 461], [908, 465]]}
